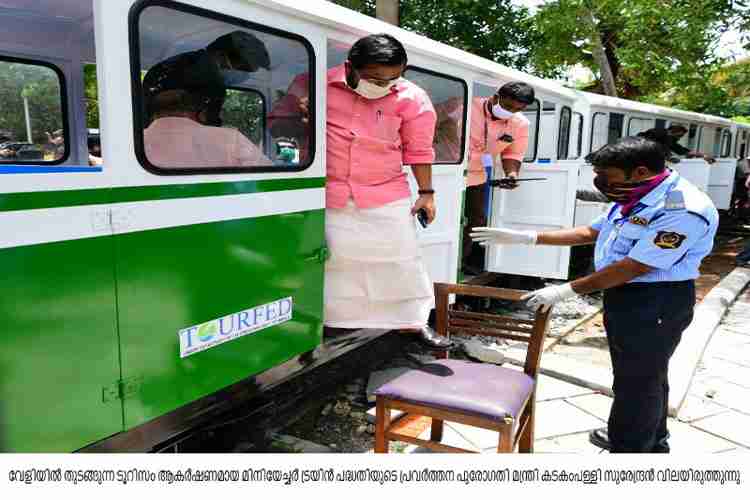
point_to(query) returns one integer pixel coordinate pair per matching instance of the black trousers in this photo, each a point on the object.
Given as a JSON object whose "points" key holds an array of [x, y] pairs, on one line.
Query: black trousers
{"points": [[475, 217], [644, 323]]}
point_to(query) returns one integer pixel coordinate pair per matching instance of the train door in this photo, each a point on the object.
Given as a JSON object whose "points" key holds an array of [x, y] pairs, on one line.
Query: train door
{"points": [[219, 229], [59, 364], [440, 241], [542, 206]]}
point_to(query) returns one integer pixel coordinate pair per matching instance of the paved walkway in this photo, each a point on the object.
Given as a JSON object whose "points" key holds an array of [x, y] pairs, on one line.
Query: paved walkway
{"points": [[714, 419]]}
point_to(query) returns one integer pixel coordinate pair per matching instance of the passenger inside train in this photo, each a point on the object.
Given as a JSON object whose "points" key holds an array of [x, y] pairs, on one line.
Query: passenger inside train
{"points": [[184, 96]]}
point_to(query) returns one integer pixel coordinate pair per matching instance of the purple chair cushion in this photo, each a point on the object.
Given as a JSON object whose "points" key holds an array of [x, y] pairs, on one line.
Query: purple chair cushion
{"points": [[484, 390]]}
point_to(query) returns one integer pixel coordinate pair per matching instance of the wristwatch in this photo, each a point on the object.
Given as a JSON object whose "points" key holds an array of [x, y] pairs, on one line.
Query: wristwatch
{"points": [[426, 191]]}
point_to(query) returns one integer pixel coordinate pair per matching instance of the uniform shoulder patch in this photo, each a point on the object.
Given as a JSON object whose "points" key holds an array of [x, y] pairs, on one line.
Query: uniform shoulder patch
{"points": [[669, 240], [638, 221], [675, 201]]}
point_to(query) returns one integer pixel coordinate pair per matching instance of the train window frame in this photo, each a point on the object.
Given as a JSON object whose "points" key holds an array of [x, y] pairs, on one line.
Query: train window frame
{"points": [[531, 159], [593, 124], [564, 141], [464, 126], [134, 43], [579, 142], [725, 152], [641, 118], [63, 110]]}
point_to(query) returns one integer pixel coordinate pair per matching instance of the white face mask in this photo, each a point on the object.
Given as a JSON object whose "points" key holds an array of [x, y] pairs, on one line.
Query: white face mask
{"points": [[500, 112], [369, 90]]}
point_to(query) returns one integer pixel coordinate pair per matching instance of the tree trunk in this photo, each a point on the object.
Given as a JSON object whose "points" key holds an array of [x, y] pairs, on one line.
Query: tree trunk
{"points": [[388, 11], [600, 56]]}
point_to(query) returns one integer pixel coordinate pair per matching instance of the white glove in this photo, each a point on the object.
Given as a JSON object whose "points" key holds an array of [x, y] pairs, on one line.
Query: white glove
{"points": [[549, 296], [502, 236]]}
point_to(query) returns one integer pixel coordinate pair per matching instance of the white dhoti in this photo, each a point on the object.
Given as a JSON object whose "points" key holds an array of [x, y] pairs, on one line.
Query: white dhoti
{"points": [[375, 276]]}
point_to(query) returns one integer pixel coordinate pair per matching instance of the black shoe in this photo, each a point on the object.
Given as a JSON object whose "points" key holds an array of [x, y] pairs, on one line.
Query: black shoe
{"points": [[430, 339], [600, 438]]}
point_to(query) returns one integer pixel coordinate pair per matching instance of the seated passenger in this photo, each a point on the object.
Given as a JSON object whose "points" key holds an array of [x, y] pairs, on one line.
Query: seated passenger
{"points": [[180, 94], [95, 150], [670, 138]]}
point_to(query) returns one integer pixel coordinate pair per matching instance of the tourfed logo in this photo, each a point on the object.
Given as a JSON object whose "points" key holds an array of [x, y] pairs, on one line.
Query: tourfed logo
{"points": [[198, 338]]}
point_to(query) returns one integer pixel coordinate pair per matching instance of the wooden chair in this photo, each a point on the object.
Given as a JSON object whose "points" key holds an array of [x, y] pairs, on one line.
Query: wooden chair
{"points": [[481, 395]]}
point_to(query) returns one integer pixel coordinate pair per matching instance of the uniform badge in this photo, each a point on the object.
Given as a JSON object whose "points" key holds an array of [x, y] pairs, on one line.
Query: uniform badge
{"points": [[669, 240], [638, 221]]}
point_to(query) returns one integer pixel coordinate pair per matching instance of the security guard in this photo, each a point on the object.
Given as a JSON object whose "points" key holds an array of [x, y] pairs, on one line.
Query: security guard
{"points": [[649, 245]]}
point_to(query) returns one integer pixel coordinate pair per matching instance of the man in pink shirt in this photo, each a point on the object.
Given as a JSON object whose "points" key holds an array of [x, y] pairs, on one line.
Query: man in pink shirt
{"points": [[498, 130], [182, 94], [376, 122]]}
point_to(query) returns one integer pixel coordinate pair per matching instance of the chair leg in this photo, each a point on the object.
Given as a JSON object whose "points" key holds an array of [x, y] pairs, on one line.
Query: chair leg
{"points": [[382, 423], [526, 441], [436, 430], [505, 441]]}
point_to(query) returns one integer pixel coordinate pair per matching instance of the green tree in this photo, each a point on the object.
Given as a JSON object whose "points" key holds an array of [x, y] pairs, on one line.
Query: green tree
{"points": [[497, 30], [649, 45]]}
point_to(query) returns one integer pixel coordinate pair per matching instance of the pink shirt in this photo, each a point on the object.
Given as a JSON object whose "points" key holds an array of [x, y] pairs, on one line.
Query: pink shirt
{"points": [[516, 127], [178, 142], [370, 139]]}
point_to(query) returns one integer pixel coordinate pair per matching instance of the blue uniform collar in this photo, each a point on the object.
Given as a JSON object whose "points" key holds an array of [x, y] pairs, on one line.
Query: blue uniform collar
{"points": [[661, 190]]}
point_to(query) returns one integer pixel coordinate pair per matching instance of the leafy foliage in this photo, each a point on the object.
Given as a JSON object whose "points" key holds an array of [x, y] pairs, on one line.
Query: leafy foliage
{"points": [[41, 88], [497, 30], [659, 50]]}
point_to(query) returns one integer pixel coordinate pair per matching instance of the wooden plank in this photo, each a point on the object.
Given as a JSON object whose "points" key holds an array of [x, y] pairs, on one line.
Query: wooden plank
{"points": [[488, 333], [529, 323], [486, 324], [481, 291], [427, 444]]}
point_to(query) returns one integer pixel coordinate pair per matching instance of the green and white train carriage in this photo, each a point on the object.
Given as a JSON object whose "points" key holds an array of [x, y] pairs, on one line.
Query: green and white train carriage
{"points": [[138, 301]]}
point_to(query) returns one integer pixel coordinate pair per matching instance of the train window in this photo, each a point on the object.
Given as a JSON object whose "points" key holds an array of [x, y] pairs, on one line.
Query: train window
{"points": [[563, 138], [548, 127], [533, 114], [449, 96], [741, 145], [726, 143], [33, 114], [616, 122], [576, 136], [599, 124], [693, 137], [201, 82], [637, 125], [716, 149]]}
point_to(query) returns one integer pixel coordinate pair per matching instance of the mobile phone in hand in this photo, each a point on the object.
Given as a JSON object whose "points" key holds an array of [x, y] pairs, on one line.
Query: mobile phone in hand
{"points": [[422, 217]]}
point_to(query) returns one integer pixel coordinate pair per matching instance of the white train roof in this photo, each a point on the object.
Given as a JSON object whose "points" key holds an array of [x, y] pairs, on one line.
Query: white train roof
{"points": [[604, 101]]}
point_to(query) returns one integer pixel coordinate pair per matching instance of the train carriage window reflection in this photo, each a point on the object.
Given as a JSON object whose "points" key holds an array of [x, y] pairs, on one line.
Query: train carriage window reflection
{"points": [[547, 131], [726, 144], [33, 125], [449, 97], [563, 138], [576, 136], [533, 114], [637, 125], [202, 90], [599, 131]]}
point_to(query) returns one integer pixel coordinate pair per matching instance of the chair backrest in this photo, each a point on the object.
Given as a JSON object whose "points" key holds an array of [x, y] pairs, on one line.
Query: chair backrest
{"points": [[532, 332]]}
